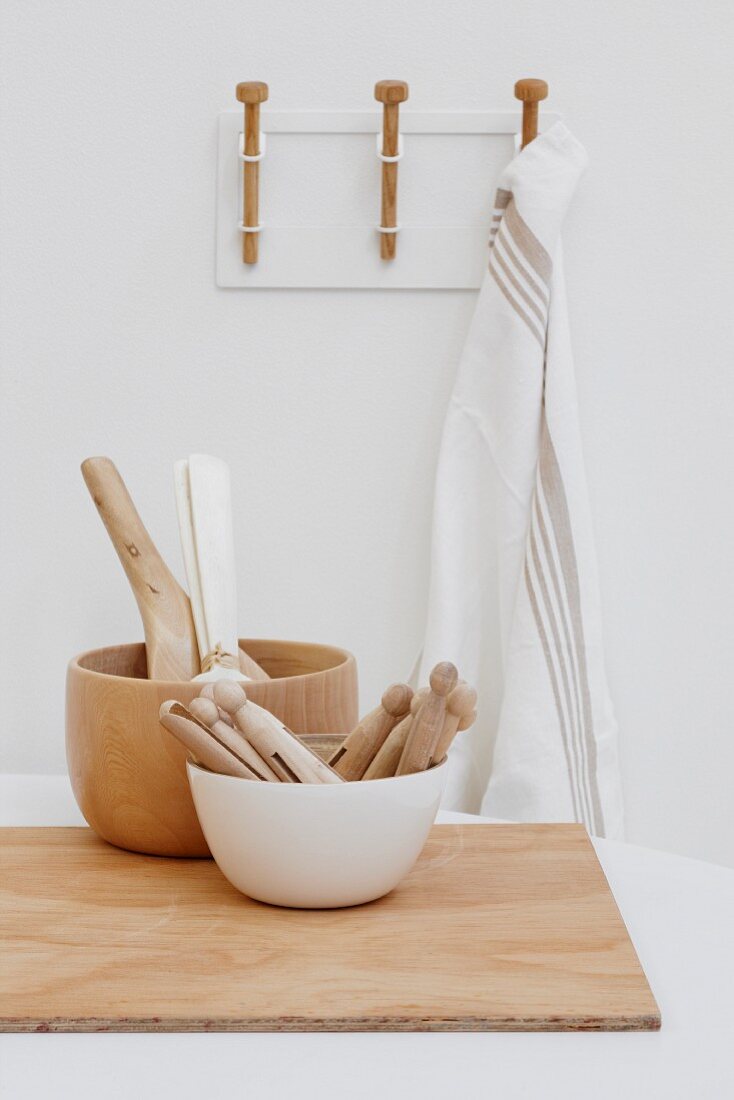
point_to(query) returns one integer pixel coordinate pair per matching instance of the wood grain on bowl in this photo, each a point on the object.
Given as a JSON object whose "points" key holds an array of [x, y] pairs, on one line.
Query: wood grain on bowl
{"points": [[129, 775]]}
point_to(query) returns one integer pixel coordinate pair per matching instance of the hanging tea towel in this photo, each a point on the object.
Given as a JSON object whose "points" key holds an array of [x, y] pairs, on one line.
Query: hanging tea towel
{"points": [[514, 599]]}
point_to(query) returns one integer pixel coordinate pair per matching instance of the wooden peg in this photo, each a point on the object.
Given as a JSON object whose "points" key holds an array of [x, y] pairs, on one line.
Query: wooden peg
{"points": [[531, 92], [207, 712], [391, 93], [203, 746], [288, 757], [252, 93], [353, 758], [467, 721], [459, 704], [428, 722], [386, 761], [207, 692]]}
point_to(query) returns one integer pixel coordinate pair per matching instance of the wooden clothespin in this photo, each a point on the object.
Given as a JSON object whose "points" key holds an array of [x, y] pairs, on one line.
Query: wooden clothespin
{"points": [[201, 742], [288, 757], [531, 92], [353, 758], [386, 761], [460, 705], [428, 723], [252, 93], [207, 692], [391, 93], [207, 712]]}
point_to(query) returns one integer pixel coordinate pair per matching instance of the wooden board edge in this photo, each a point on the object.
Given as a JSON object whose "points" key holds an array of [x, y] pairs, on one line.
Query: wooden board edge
{"points": [[155, 1024], [654, 1013]]}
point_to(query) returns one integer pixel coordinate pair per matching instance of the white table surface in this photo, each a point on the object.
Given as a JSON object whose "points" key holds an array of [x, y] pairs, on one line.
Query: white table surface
{"points": [[680, 914]]}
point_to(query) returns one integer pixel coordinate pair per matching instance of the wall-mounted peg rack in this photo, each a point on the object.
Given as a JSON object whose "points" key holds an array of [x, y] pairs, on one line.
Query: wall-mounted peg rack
{"points": [[304, 181]]}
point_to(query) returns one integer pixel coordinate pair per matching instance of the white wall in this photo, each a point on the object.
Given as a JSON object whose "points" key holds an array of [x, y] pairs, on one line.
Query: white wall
{"points": [[115, 340]]}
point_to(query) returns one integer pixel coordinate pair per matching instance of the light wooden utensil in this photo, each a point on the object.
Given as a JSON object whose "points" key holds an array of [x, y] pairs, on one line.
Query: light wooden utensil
{"points": [[204, 506], [288, 757], [391, 93], [207, 712], [251, 93], [205, 748], [428, 722], [460, 703], [385, 763], [170, 636], [364, 742], [531, 92]]}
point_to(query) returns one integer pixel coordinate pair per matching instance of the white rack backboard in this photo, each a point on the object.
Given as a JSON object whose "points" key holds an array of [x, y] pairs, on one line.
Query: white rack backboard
{"points": [[320, 198]]}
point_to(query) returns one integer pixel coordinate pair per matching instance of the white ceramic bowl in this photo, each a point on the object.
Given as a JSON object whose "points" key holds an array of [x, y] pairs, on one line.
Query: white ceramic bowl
{"points": [[316, 846]]}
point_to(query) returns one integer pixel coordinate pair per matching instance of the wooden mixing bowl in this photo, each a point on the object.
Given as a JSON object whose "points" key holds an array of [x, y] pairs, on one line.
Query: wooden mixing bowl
{"points": [[129, 775]]}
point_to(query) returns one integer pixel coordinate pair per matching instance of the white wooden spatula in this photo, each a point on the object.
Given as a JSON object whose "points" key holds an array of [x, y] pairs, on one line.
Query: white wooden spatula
{"points": [[203, 500]]}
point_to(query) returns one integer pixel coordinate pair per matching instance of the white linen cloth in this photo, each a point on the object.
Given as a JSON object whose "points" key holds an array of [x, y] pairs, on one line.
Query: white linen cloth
{"points": [[513, 597]]}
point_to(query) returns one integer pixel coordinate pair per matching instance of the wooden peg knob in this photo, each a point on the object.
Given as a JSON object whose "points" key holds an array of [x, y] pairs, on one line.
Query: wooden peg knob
{"points": [[530, 92], [460, 705], [391, 93], [207, 692], [206, 710], [444, 678], [396, 700], [467, 721], [229, 696], [252, 91], [462, 700]]}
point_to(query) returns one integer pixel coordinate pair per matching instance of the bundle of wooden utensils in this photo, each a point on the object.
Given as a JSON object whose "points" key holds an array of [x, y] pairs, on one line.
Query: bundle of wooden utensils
{"points": [[408, 732]]}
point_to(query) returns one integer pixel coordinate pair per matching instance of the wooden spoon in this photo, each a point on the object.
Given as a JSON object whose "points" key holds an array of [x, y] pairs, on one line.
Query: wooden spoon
{"points": [[170, 637]]}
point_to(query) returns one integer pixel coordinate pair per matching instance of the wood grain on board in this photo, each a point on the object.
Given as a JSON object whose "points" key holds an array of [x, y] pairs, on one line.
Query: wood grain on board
{"points": [[498, 927]]}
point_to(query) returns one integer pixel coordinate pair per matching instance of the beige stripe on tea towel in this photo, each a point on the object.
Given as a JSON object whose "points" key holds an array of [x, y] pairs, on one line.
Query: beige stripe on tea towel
{"points": [[514, 596]]}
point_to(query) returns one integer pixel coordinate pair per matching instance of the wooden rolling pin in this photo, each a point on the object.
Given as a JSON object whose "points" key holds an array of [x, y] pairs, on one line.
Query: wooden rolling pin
{"points": [[428, 722], [200, 742], [207, 712], [288, 757], [353, 758], [385, 763]]}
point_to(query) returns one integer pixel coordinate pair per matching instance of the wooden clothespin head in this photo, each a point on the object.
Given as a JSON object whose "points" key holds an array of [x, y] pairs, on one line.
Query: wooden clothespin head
{"points": [[530, 92], [251, 93], [355, 755], [428, 723], [390, 93]]}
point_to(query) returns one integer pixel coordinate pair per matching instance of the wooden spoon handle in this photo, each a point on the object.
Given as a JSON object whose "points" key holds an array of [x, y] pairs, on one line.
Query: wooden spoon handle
{"points": [[170, 638]]}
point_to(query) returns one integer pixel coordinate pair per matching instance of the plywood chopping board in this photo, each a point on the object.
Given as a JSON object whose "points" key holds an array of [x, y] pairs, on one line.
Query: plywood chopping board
{"points": [[498, 927]]}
